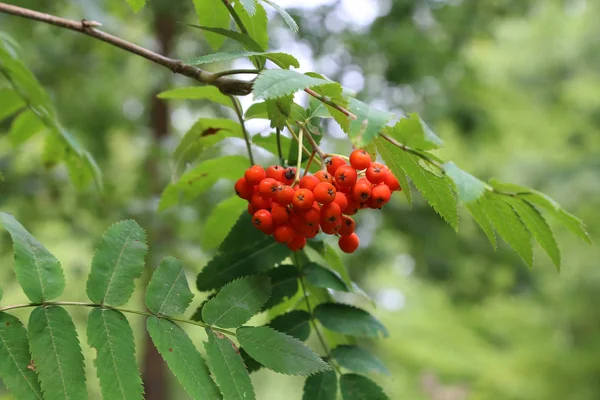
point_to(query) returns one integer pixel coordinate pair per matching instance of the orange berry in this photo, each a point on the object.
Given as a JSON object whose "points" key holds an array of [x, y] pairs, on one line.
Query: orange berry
{"points": [[347, 227], [334, 163], [281, 214], [331, 228], [376, 173], [260, 202], [360, 159], [303, 199], [342, 200], [263, 220], [324, 192], [297, 243], [330, 212], [312, 217], [309, 182], [289, 175], [268, 187], [361, 191], [284, 233], [276, 172], [243, 189], [251, 209], [255, 174], [284, 195], [380, 195], [390, 180], [349, 243], [345, 176], [352, 207], [324, 176]]}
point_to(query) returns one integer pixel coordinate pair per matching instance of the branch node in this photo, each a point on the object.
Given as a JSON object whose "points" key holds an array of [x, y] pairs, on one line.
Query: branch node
{"points": [[85, 24]]}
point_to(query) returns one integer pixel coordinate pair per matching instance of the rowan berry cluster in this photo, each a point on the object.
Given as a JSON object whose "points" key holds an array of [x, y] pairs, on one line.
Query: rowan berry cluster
{"points": [[293, 211]]}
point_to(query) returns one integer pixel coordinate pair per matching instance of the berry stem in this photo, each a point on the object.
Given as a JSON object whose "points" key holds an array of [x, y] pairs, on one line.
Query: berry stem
{"points": [[310, 160], [238, 110], [299, 162], [279, 151]]}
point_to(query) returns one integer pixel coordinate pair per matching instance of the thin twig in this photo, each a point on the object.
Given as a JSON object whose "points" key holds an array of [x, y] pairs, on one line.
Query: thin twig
{"points": [[299, 162], [312, 142], [226, 85], [310, 160], [236, 17], [330, 103], [279, 151], [304, 148], [414, 152], [240, 114]]}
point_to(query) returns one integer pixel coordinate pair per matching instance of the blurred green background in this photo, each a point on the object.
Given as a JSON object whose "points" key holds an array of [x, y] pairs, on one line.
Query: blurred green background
{"points": [[513, 88]]}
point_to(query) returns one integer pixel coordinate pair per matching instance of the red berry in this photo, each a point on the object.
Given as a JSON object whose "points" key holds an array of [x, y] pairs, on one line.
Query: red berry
{"points": [[380, 195], [281, 214], [390, 180], [324, 176], [345, 176], [243, 189], [251, 209], [314, 232], [284, 195], [260, 202], [342, 200], [361, 191], [268, 187], [312, 217], [334, 163], [309, 182], [347, 227], [263, 220], [276, 172], [297, 243], [352, 207], [324, 192], [331, 228], [303, 199], [360, 159], [376, 173], [330, 212], [284, 234], [255, 174], [289, 175], [349, 243]]}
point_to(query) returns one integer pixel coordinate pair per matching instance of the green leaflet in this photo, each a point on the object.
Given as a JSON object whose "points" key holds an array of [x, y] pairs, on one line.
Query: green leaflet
{"points": [[257, 27], [201, 178], [257, 111], [270, 142], [10, 102], [284, 284], [279, 110], [333, 260], [349, 320], [108, 332], [136, 5], [536, 224], [358, 387], [38, 271], [321, 386], [280, 352], [368, 124], [249, 6], [57, 354], [282, 60], [24, 126], [15, 357], [228, 367], [414, 132], [245, 40], [237, 302], [468, 187], [294, 323], [251, 364], [241, 236], [358, 359], [220, 221], [284, 14], [389, 153], [226, 267], [476, 210], [323, 277], [198, 93], [215, 15], [118, 261], [183, 359], [168, 292], [508, 225], [273, 83]]}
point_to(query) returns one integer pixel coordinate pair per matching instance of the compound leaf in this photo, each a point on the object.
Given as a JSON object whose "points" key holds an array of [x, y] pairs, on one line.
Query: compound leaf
{"points": [[468, 187], [358, 359], [349, 320], [476, 210], [414, 132], [273, 83], [358, 387], [369, 122], [321, 386], [168, 292]]}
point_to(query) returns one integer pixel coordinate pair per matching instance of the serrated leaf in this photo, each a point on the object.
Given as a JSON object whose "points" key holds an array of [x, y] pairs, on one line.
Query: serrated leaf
{"points": [[323, 278], [270, 142], [280, 352], [228, 367], [483, 221], [333, 260], [15, 358], [284, 284], [389, 155], [257, 111], [273, 83], [468, 187], [237, 302], [251, 364], [168, 292], [136, 5], [37, 270], [253, 260], [201, 178], [220, 221], [244, 40], [183, 359], [358, 359], [414, 132], [10, 102], [349, 320], [536, 224], [108, 332], [358, 387], [279, 110], [282, 60], [215, 15], [321, 386], [249, 6], [284, 14], [368, 124], [56, 352], [198, 93], [508, 225], [241, 236], [24, 126], [256, 25], [118, 261], [294, 323]]}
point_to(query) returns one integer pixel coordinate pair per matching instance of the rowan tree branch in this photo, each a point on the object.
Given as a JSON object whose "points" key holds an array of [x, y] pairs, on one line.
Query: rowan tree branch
{"points": [[226, 85]]}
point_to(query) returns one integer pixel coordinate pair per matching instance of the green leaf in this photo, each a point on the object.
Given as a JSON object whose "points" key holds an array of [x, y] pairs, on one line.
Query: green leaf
{"points": [[10, 102], [358, 359], [118, 261], [270, 142], [244, 40], [294, 323], [536, 224], [282, 60], [272, 83], [280, 352], [182, 357], [201, 178], [349, 320], [321, 386], [215, 15], [468, 187], [368, 124], [279, 110], [389, 154], [333, 261], [15, 358], [358, 387], [108, 332], [38, 271], [251, 364], [198, 93], [284, 14], [228, 367], [256, 25], [249, 6], [476, 210], [257, 111], [253, 260], [24, 126], [168, 292], [415, 133], [237, 302], [323, 278], [57, 354], [220, 221], [136, 5], [508, 225], [241, 236], [284, 284]]}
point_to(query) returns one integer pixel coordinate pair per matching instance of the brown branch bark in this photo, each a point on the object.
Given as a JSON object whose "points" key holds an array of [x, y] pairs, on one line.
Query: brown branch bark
{"points": [[225, 84]]}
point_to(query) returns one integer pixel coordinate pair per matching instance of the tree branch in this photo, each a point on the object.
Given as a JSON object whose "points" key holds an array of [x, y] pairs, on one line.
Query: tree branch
{"points": [[226, 85]]}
